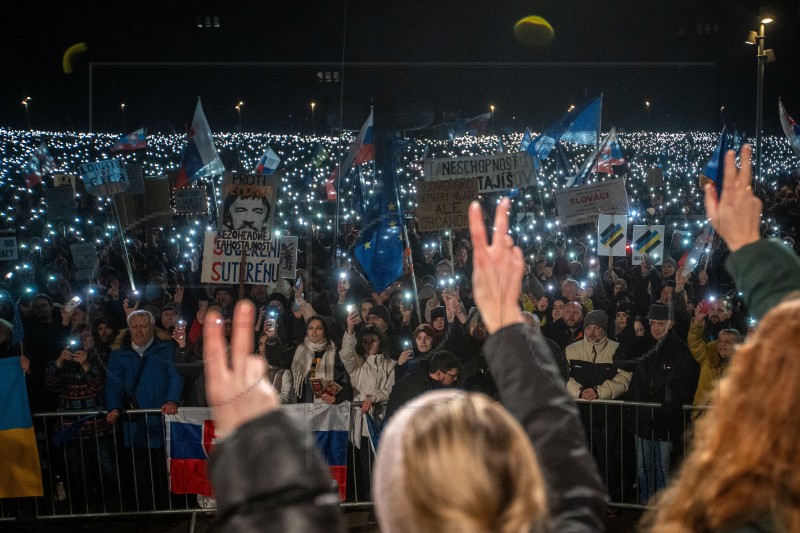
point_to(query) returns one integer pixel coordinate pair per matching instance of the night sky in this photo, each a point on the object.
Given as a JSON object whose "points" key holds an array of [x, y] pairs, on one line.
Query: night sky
{"points": [[417, 62]]}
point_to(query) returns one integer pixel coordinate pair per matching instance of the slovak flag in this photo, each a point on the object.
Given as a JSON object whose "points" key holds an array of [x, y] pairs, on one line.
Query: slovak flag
{"points": [[39, 165], [361, 151], [131, 141], [610, 153], [190, 439], [200, 157], [268, 163]]}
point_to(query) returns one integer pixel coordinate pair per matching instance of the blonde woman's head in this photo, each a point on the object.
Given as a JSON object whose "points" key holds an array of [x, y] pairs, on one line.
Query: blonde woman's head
{"points": [[454, 461]]}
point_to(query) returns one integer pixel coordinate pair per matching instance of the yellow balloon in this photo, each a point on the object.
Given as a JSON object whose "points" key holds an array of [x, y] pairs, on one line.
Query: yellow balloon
{"points": [[533, 31], [66, 61]]}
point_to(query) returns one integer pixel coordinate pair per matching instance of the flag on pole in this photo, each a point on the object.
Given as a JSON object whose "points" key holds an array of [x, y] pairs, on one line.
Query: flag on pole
{"points": [[18, 330], [610, 153], [790, 128], [526, 140], [319, 155], [200, 158], [131, 141], [19, 457], [379, 247], [361, 150], [714, 168], [477, 126], [268, 163], [39, 165], [579, 126], [702, 244]]}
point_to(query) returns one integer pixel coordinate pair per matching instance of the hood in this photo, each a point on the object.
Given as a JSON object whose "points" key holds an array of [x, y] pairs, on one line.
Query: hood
{"points": [[123, 339]]}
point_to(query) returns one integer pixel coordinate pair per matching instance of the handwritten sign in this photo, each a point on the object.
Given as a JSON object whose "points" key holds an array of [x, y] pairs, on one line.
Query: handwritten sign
{"points": [[104, 178], [192, 201], [494, 172], [222, 257], [444, 204], [8, 248]]}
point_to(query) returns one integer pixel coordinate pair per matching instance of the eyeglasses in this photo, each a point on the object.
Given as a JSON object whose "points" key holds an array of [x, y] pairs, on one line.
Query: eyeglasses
{"points": [[454, 376]]}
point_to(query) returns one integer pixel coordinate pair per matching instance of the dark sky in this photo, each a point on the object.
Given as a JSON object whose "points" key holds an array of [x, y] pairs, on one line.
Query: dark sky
{"points": [[687, 57]]}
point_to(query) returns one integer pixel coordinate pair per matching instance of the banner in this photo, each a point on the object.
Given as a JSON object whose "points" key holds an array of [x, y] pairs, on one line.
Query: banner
{"points": [[84, 256], [104, 178], [647, 240], [288, 257], [612, 232], [191, 201], [444, 204], [582, 205], [8, 248], [495, 172], [222, 257], [60, 204], [248, 202]]}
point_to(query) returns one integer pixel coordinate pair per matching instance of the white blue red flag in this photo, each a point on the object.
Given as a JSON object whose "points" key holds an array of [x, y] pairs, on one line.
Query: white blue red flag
{"points": [[361, 151], [39, 165], [268, 163], [131, 141], [200, 158], [790, 128], [610, 153], [190, 439]]}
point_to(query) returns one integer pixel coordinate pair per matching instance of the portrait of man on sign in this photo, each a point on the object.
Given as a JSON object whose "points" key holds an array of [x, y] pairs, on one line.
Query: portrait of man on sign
{"points": [[248, 203]]}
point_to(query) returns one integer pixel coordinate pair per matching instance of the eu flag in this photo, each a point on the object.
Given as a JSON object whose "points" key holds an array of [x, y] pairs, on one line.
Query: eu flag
{"points": [[379, 248], [715, 167]]}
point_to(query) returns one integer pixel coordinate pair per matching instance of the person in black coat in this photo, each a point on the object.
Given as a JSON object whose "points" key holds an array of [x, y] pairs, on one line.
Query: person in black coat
{"points": [[443, 370]]}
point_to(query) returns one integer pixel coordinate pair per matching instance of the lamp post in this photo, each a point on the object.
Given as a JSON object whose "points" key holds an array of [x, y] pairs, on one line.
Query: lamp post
{"points": [[721, 116], [239, 107], [313, 119], [122, 110], [763, 57], [647, 107], [25, 102], [491, 119]]}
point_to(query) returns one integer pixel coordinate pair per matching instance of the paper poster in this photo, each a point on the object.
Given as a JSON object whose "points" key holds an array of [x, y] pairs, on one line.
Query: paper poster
{"points": [[647, 240], [582, 205], [612, 231], [249, 202], [444, 204]]}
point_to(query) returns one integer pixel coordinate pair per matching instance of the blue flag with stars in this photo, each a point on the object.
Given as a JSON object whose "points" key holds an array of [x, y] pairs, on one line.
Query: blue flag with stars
{"points": [[379, 248]]}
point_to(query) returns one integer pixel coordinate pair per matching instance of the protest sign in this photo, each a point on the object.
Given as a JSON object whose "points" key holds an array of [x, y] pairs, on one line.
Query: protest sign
{"points": [[494, 172], [288, 257], [444, 204], [84, 256], [647, 240], [8, 248], [612, 231], [64, 180], [581, 205], [191, 200], [135, 179], [222, 257], [104, 178], [60, 204], [249, 201]]}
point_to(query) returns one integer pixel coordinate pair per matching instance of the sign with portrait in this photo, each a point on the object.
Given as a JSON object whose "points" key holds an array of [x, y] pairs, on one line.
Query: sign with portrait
{"points": [[249, 202]]}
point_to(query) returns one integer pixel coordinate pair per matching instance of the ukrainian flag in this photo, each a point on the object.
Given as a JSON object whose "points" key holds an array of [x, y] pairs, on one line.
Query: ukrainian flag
{"points": [[20, 474]]}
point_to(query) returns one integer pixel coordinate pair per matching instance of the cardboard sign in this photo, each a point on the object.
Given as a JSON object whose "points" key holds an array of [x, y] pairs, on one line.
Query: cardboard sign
{"points": [[135, 179], [288, 257], [249, 202], [104, 178], [494, 172], [8, 248], [222, 257], [60, 204], [654, 177], [647, 240], [612, 232], [191, 201], [157, 209], [444, 204], [64, 180], [84, 256], [582, 205]]}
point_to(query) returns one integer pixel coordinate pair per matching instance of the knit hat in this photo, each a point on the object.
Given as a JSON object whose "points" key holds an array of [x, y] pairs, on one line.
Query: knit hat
{"points": [[437, 312], [596, 318], [224, 288], [172, 306], [426, 292], [658, 312], [472, 316], [280, 298], [426, 328], [624, 307], [380, 311], [283, 287], [670, 261], [622, 282]]}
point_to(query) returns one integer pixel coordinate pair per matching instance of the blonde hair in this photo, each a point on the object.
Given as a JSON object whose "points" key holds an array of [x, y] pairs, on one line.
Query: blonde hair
{"points": [[457, 462], [743, 465]]}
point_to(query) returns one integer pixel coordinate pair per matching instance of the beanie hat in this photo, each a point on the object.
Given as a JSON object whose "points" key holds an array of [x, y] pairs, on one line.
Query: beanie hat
{"points": [[624, 307], [380, 311], [278, 297], [426, 292], [670, 261], [426, 328], [658, 312], [596, 318], [438, 311], [472, 316], [622, 282]]}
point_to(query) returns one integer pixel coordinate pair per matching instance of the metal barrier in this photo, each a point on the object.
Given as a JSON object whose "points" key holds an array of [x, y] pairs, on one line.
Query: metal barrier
{"points": [[99, 474]]}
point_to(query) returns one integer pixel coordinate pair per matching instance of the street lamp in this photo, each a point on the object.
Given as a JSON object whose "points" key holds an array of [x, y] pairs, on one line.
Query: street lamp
{"points": [[122, 109], [313, 118], [763, 57], [721, 116], [25, 102], [491, 119], [239, 107], [647, 106]]}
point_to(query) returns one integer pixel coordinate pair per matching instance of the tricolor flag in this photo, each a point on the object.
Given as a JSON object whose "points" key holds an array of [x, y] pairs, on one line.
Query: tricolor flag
{"points": [[20, 472], [702, 245], [319, 155], [268, 163], [200, 157], [190, 439], [477, 126], [131, 141], [790, 128], [602, 159], [361, 150], [39, 165]]}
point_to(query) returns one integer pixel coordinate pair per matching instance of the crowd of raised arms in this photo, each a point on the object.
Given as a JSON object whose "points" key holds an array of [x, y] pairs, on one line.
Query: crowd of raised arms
{"points": [[525, 328]]}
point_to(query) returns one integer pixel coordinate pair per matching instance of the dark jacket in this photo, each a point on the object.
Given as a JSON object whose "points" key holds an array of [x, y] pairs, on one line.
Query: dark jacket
{"points": [[665, 374], [285, 486], [518, 358], [408, 388]]}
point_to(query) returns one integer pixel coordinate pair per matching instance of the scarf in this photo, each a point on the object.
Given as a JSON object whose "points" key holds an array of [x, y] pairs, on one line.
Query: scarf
{"points": [[304, 356]]}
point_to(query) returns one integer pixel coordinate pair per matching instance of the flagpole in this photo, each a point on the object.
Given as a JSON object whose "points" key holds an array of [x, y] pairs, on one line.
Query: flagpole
{"points": [[336, 259], [597, 138], [405, 234], [125, 257]]}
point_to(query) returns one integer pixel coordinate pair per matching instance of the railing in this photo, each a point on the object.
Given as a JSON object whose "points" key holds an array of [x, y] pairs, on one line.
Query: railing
{"points": [[95, 474]]}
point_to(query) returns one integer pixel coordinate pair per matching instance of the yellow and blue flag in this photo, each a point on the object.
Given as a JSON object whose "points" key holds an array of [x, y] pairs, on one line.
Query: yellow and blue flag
{"points": [[19, 457]]}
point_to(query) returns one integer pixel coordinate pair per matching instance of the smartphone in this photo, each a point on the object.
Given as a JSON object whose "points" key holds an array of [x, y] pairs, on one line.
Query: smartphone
{"points": [[271, 324], [181, 324], [74, 344], [406, 344], [349, 308], [72, 304], [705, 306], [298, 282]]}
